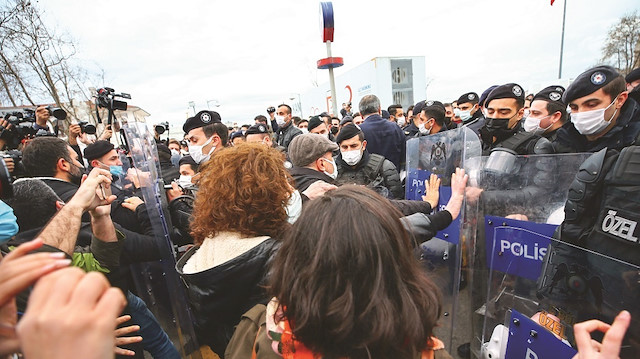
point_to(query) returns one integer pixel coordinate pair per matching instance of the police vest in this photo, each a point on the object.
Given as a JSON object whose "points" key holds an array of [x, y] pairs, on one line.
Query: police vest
{"points": [[601, 216], [527, 143]]}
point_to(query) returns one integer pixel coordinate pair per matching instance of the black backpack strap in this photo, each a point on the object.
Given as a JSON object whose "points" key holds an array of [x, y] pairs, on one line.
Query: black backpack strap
{"points": [[373, 167], [516, 141]]}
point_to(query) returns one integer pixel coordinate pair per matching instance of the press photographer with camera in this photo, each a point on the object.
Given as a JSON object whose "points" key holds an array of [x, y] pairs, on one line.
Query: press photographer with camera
{"points": [[6, 156], [42, 118]]}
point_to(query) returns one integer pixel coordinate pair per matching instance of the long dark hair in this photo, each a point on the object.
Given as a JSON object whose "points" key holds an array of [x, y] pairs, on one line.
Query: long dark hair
{"points": [[347, 280]]}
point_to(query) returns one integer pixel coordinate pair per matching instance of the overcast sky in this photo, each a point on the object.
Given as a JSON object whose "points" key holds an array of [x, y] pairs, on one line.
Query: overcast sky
{"points": [[249, 55]]}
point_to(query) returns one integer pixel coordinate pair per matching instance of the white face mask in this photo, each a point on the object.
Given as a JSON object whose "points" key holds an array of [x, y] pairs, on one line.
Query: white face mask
{"points": [[174, 152], [196, 151], [304, 130], [294, 207], [185, 181], [532, 125], [423, 129], [280, 120], [401, 121], [464, 115], [334, 174], [352, 157], [592, 122]]}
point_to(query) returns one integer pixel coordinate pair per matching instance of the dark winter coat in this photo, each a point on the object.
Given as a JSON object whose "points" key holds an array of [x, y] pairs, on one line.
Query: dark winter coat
{"points": [[373, 171]]}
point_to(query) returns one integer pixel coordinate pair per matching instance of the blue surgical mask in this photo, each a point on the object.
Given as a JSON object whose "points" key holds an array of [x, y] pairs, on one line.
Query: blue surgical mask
{"points": [[116, 171], [8, 223]]}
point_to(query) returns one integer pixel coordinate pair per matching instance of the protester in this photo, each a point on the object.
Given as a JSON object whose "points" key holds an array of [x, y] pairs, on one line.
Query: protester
{"points": [[239, 215], [303, 125], [372, 274], [384, 138], [312, 159], [311, 156], [286, 130], [168, 171], [188, 169], [174, 147], [396, 115]]}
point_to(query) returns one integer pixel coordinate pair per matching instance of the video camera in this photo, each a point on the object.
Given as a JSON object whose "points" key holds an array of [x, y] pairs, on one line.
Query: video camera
{"points": [[87, 128], [162, 127], [105, 98], [22, 126]]}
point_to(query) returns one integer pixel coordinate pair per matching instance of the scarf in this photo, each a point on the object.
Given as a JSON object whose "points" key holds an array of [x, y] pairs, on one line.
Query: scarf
{"points": [[284, 344]]}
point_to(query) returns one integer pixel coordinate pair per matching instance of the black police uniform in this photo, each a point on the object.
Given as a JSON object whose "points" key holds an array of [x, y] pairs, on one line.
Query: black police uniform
{"points": [[625, 133]]}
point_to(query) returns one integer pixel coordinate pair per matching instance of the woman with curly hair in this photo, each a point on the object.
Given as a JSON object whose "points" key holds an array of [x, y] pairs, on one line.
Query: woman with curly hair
{"points": [[239, 211], [345, 284]]}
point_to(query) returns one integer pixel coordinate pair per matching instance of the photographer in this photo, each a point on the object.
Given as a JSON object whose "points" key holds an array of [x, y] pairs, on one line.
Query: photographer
{"points": [[7, 158], [75, 131], [42, 119]]}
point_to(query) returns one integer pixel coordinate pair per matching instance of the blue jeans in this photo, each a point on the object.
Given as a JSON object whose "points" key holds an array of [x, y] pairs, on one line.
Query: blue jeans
{"points": [[154, 339]]}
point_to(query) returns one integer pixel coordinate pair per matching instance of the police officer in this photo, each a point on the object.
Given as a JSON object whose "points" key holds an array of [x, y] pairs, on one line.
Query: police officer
{"points": [[503, 128], [411, 130], [470, 112], [633, 84], [205, 135], [601, 115], [259, 133], [429, 119], [547, 113]]}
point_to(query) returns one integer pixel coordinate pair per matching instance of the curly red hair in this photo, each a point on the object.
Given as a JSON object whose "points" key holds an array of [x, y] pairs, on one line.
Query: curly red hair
{"points": [[243, 189]]}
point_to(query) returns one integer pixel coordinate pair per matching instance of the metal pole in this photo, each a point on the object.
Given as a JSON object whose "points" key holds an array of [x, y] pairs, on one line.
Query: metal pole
{"points": [[300, 106], [564, 13], [333, 83]]}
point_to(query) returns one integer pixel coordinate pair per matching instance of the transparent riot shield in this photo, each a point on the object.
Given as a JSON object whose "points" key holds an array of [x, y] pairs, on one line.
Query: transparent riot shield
{"points": [[509, 190], [444, 256], [532, 303], [157, 282]]}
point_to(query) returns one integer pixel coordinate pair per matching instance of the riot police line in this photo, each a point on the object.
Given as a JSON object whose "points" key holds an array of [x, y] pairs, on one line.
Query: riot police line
{"points": [[542, 241]]}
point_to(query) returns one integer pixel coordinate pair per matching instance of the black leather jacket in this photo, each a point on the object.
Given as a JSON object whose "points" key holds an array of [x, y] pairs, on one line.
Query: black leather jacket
{"points": [[220, 295], [286, 134]]}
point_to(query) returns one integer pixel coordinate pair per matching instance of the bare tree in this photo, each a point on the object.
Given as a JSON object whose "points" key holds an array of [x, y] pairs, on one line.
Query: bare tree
{"points": [[36, 61], [622, 47]]}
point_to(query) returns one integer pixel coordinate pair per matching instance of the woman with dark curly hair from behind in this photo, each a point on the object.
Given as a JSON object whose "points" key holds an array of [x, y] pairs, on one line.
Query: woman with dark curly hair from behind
{"points": [[239, 211], [346, 285]]}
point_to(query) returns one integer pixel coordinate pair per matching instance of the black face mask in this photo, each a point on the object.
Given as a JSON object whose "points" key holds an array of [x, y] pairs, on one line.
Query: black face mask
{"points": [[499, 128], [334, 130], [76, 176], [447, 121]]}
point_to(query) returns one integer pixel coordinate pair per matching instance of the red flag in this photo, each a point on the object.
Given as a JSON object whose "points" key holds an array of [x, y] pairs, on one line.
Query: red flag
{"points": [[552, 2]]}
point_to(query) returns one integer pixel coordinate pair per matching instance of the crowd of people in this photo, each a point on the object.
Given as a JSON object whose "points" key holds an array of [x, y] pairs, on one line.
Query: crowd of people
{"points": [[292, 236]]}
